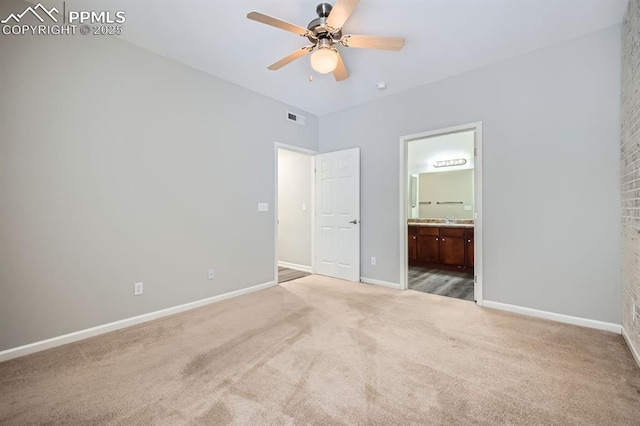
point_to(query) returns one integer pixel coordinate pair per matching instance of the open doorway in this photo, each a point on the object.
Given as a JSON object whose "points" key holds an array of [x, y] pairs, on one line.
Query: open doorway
{"points": [[440, 205], [317, 213], [294, 207]]}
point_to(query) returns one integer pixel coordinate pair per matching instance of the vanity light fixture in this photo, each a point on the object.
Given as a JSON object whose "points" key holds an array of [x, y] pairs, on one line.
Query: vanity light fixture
{"points": [[449, 163]]}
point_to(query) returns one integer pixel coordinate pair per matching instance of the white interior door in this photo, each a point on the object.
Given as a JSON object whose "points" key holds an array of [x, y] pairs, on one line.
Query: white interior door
{"points": [[338, 214]]}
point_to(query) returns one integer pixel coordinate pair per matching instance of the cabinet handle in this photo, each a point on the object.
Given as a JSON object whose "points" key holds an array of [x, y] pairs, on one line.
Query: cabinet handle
{"points": [[443, 239], [414, 238], [437, 239], [469, 241]]}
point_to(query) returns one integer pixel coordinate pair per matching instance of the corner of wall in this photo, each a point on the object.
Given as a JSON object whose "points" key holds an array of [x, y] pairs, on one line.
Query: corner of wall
{"points": [[630, 177]]}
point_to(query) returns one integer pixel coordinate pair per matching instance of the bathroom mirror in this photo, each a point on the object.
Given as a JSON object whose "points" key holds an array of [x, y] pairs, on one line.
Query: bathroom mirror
{"points": [[445, 194]]}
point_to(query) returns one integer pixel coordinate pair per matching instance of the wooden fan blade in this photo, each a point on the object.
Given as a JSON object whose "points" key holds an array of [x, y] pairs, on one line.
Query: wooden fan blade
{"points": [[340, 12], [265, 19], [372, 42], [290, 58], [340, 73]]}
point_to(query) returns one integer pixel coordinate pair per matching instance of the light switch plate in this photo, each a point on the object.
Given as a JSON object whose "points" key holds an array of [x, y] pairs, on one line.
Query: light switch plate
{"points": [[263, 207]]}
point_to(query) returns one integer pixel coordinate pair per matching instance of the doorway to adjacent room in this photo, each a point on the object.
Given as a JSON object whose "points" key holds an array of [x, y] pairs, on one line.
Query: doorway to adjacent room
{"points": [[317, 213], [440, 211], [294, 212]]}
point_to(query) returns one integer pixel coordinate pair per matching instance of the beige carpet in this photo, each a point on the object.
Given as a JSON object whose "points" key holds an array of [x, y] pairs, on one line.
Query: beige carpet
{"points": [[323, 351]]}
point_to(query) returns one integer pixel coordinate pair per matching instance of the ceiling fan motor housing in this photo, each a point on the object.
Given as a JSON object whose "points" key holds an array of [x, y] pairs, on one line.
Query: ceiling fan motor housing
{"points": [[323, 9], [318, 28]]}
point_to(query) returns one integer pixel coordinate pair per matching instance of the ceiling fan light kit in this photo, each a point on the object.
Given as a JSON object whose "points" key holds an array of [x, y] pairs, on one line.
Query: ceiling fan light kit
{"points": [[324, 60], [324, 32]]}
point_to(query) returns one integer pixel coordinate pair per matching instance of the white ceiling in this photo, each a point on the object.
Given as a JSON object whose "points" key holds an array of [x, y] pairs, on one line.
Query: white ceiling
{"points": [[443, 38]]}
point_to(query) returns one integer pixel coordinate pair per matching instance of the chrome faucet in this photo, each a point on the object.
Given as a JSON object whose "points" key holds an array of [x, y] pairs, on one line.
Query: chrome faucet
{"points": [[449, 219]]}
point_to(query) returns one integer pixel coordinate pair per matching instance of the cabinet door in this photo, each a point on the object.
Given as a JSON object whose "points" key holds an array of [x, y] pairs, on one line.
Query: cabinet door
{"points": [[412, 253], [413, 248], [428, 248], [470, 249], [452, 251]]}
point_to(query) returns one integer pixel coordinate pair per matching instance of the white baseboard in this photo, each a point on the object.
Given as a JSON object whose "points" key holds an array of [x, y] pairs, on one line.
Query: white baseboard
{"points": [[584, 322], [127, 322], [379, 282], [634, 351], [302, 268]]}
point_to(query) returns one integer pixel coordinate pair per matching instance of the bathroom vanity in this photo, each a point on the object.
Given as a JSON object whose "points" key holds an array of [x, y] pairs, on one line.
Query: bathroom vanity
{"points": [[441, 245]]}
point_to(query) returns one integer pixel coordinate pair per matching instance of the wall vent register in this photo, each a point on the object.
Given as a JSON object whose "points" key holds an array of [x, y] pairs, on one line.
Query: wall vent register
{"points": [[296, 118]]}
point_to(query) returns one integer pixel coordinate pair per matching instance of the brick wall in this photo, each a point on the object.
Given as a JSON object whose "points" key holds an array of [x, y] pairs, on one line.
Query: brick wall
{"points": [[630, 165]]}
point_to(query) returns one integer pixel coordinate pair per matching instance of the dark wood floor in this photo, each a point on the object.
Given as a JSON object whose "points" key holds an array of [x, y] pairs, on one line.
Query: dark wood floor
{"points": [[441, 282], [286, 274]]}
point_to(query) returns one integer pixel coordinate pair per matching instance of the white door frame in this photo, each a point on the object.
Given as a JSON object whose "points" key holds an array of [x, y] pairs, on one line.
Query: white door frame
{"points": [[477, 172], [312, 207]]}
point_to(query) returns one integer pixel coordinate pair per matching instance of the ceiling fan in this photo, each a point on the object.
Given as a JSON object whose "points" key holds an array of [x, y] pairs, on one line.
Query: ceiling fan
{"points": [[324, 32]]}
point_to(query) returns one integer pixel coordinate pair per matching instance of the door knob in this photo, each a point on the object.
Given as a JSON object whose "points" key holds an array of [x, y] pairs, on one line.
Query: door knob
{"points": [[354, 221]]}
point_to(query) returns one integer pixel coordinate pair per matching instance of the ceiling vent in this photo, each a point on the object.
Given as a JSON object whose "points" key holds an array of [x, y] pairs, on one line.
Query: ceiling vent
{"points": [[296, 118]]}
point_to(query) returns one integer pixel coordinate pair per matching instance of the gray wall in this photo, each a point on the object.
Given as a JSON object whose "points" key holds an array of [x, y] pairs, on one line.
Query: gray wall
{"points": [[118, 165], [630, 150], [551, 172], [294, 223]]}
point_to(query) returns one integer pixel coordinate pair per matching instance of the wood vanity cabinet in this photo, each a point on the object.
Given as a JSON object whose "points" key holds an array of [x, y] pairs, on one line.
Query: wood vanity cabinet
{"points": [[413, 244], [470, 250], [447, 247], [428, 244], [452, 246]]}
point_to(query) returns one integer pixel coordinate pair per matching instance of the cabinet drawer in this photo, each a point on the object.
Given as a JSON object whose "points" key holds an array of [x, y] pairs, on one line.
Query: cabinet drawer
{"points": [[413, 230], [452, 232], [428, 230]]}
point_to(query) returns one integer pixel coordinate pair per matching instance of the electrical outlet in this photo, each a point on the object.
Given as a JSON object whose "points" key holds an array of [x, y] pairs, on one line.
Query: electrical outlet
{"points": [[373, 260], [211, 274], [138, 289]]}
